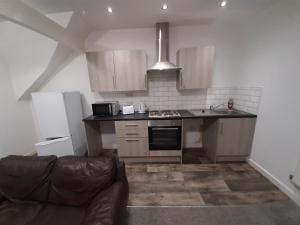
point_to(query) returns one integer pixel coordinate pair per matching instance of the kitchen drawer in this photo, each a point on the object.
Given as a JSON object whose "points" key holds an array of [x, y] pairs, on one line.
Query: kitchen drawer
{"points": [[133, 147], [132, 132], [131, 124]]}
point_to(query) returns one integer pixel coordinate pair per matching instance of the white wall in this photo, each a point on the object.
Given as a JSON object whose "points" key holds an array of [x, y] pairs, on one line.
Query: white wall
{"points": [[222, 35], [74, 77], [27, 53], [271, 58], [225, 37], [17, 135]]}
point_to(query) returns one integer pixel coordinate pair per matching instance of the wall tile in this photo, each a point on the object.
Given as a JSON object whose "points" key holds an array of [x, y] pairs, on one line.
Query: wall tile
{"points": [[162, 94]]}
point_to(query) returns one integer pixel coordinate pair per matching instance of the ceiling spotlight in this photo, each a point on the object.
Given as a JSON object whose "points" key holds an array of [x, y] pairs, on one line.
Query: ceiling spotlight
{"points": [[223, 3], [109, 10], [165, 6]]}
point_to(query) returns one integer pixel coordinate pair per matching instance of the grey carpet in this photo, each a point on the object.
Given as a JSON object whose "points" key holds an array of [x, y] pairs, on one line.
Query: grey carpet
{"points": [[283, 213]]}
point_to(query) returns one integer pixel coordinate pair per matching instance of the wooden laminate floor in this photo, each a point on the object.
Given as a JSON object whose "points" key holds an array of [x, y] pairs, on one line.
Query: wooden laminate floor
{"points": [[198, 185]]}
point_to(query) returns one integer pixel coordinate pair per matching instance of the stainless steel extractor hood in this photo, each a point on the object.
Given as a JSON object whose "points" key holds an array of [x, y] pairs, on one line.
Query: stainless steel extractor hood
{"points": [[162, 50]]}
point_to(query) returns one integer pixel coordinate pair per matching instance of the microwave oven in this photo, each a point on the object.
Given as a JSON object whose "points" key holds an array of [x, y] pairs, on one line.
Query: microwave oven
{"points": [[105, 108]]}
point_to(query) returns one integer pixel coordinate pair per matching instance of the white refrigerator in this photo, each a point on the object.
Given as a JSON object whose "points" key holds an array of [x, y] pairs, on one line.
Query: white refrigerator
{"points": [[59, 119]]}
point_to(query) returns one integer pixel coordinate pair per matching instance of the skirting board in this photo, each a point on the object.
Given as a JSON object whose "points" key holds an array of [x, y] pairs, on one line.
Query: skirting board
{"points": [[285, 189]]}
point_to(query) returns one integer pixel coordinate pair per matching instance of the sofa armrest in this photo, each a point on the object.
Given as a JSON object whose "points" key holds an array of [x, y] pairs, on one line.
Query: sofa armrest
{"points": [[108, 206], [121, 173]]}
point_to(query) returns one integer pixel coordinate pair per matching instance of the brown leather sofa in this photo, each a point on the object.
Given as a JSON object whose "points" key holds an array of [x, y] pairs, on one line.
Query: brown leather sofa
{"points": [[62, 191]]}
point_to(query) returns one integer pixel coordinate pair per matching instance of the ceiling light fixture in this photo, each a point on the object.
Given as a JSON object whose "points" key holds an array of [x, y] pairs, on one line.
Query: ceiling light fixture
{"points": [[165, 6], [223, 3], [109, 10]]}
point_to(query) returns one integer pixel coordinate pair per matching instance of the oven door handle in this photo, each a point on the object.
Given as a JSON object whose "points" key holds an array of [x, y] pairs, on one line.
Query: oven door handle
{"points": [[165, 128]]}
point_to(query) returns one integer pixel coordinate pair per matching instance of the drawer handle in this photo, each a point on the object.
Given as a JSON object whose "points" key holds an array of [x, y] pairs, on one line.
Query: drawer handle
{"points": [[132, 139], [131, 125], [131, 133]]}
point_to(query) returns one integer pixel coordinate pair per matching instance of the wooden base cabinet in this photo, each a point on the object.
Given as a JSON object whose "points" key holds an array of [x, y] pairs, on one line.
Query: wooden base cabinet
{"points": [[133, 144], [129, 147], [132, 138], [228, 139]]}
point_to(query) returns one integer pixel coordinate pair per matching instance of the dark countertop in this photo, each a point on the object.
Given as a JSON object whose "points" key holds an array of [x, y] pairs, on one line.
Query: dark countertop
{"points": [[185, 114]]}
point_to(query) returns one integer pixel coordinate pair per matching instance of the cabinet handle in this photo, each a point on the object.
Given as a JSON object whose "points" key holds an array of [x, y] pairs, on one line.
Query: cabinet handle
{"points": [[131, 125], [131, 133], [132, 139], [146, 81], [181, 82]]}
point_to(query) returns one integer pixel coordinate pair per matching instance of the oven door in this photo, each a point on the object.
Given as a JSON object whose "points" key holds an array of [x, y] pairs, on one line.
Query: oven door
{"points": [[164, 138]]}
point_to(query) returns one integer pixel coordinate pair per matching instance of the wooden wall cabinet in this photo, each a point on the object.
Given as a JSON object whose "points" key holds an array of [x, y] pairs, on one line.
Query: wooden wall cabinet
{"points": [[130, 70], [197, 67], [101, 71], [117, 71], [228, 139]]}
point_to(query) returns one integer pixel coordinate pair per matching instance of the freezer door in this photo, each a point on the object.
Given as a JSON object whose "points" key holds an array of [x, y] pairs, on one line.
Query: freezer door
{"points": [[59, 147], [50, 112]]}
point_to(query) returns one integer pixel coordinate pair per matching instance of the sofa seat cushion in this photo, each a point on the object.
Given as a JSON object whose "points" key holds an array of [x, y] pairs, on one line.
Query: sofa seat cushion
{"points": [[59, 215], [108, 206], [18, 213], [26, 178], [76, 180]]}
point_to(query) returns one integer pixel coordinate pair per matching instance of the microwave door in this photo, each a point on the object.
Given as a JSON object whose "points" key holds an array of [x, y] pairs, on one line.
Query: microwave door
{"points": [[101, 109]]}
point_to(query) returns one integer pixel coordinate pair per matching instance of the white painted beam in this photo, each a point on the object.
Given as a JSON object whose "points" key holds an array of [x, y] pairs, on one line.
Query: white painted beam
{"points": [[20, 13], [62, 57]]}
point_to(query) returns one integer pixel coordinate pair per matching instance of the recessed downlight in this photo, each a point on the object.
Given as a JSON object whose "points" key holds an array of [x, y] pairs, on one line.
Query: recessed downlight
{"points": [[109, 9], [165, 6], [223, 4]]}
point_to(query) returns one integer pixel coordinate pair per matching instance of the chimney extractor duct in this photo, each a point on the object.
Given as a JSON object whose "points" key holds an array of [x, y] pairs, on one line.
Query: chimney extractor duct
{"points": [[162, 50]]}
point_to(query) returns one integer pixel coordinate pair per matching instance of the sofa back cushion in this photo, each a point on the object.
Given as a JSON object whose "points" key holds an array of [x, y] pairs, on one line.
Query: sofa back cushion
{"points": [[76, 180], [26, 177]]}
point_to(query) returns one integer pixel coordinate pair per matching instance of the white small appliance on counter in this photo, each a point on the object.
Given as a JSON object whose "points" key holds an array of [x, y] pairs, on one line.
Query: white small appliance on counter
{"points": [[59, 120], [141, 107], [127, 109]]}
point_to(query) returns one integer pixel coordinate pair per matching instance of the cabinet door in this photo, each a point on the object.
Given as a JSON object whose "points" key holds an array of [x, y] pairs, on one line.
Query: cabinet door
{"points": [[228, 142], [133, 147], [101, 71], [235, 136], [130, 70], [247, 128], [197, 67]]}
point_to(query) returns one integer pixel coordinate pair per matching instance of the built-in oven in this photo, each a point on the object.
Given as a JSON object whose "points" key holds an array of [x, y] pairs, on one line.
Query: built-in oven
{"points": [[164, 135]]}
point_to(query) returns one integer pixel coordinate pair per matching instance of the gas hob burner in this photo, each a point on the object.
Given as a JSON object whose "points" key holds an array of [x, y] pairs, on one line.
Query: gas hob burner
{"points": [[164, 114]]}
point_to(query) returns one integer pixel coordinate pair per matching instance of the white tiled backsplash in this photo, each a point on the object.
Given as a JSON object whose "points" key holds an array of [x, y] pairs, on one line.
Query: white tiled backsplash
{"points": [[162, 94]]}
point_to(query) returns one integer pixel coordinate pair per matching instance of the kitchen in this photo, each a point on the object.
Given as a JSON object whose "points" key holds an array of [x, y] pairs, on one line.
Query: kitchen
{"points": [[151, 137], [197, 98]]}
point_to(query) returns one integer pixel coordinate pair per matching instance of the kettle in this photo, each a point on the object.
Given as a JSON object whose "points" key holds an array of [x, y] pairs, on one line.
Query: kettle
{"points": [[141, 107]]}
